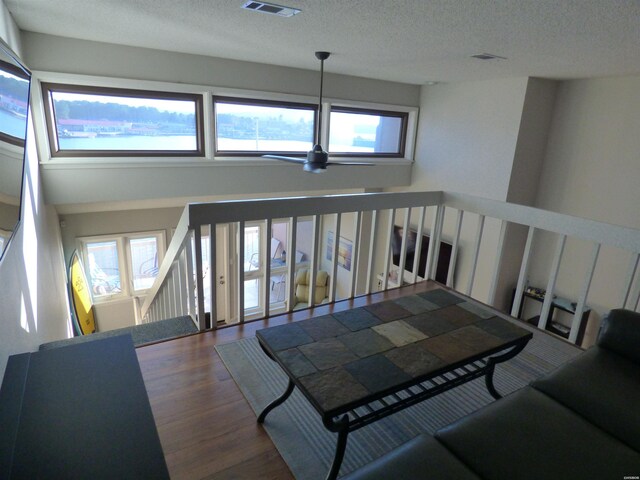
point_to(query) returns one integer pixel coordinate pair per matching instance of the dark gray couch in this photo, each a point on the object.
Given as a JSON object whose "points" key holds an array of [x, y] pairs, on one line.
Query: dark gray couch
{"points": [[582, 421]]}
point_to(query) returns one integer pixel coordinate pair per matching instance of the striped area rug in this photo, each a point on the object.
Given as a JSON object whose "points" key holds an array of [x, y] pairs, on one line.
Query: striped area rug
{"points": [[308, 448]]}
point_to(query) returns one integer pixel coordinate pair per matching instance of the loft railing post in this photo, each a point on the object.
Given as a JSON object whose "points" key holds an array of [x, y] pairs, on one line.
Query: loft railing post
{"points": [[355, 263], [372, 251], [313, 265], [184, 291], [202, 324], [191, 277], [434, 244], [582, 299], [403, 245], [551, 285], [174, 297], [240, 271], [334, 259], [387, 250], [631, 274], [524, 271], [491, 297], [418, 246], [476, 254], [437, 236], [454, 249], [267, 269], [213, 276], [291, 261]]}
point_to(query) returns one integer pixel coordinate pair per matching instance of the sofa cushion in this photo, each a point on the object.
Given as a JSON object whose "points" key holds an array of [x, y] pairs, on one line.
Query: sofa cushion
{"points": [[602, 387], [530, 436], [302, 285], [422, 457], [620, 333]]}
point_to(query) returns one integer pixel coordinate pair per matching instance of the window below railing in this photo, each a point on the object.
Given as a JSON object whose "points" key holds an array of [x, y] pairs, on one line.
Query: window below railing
{"points": [[121, 266]]}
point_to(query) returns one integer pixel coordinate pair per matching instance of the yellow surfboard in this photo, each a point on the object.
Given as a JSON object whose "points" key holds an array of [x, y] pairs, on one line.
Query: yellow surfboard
{"points": [[84, 321]]}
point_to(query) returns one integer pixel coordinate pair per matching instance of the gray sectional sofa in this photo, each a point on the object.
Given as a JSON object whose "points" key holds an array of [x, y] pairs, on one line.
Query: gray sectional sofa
{"points": [[581, 421]]}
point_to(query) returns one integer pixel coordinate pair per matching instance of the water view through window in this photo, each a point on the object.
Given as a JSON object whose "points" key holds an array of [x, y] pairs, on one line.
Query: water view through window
{"points": [[14, 98], [246, 127], [364, 132], [122, 123]]}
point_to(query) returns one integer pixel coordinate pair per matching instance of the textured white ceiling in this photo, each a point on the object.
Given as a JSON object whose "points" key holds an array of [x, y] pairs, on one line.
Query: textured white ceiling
{"points": [[411, 41]]}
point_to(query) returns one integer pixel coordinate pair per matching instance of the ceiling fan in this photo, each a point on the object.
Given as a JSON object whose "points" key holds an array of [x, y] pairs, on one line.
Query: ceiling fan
{"points": [[317, 158]]}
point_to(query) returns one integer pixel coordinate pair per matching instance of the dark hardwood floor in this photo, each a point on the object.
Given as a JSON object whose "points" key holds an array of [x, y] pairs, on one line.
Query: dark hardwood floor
{"points": [[206, 427]]}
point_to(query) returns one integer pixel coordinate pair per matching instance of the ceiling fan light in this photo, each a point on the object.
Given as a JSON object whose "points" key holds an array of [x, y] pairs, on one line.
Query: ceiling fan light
{"points": [[310, 167]]}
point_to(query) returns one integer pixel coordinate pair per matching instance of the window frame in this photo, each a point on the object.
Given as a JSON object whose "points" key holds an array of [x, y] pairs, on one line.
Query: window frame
{"points": [[84, 242], [125, 263], [160, 251], [51, 125], [402, 141], [18, 72], [259, 102]]}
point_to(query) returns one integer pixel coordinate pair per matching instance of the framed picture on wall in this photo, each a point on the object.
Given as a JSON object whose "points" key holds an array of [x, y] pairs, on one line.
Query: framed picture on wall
{"points": [[345, 251]]}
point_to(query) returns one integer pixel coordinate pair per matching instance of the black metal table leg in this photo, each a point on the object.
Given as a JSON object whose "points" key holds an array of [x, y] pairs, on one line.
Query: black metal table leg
{"points": [[491, 366], [342, 427], [276, 402], [489, 382]]}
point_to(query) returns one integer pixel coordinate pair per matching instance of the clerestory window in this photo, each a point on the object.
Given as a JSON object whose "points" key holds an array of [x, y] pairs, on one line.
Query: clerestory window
{"points": [[88, 121], [249, 127], [367, 133]]}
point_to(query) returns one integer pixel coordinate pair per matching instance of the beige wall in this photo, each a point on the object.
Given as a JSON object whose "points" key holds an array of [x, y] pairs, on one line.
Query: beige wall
{"points": [[592, 169], [467, 141], [117, 222], [67, 55], [467, 136], [116, 313], [70, 184]]}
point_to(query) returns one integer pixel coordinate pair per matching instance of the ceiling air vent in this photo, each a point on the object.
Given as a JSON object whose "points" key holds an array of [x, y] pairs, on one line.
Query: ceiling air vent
{"points": [[271, 8], [488, 56]]}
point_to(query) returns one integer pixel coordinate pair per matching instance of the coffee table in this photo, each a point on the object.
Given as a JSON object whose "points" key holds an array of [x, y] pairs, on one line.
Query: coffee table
{"points": [[358, 366]]}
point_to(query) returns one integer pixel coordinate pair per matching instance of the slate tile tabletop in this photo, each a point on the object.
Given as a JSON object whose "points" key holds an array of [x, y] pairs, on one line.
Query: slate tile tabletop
{"points": [[346, 357]]}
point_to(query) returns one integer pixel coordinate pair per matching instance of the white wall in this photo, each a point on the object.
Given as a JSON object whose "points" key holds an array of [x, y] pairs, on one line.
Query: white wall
{"points": [[467, 136], [33, 302], [592, 169], [9, 31], [467, 139]]}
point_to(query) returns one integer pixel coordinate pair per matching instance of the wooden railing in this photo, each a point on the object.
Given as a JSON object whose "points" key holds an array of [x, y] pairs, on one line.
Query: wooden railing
{"points": [[180, 286]]}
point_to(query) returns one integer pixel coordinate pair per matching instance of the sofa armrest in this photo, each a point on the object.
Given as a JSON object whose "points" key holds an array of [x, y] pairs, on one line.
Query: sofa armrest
{"points": [[620, 333]]}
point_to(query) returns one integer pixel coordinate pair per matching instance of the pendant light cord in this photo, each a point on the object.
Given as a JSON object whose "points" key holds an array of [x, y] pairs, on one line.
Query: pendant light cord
{"points": [[322, 56], [320, 101]]}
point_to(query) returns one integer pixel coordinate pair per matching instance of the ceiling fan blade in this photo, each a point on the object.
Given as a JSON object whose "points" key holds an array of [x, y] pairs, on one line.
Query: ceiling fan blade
{"points": [[286, 159], [362, 164]]}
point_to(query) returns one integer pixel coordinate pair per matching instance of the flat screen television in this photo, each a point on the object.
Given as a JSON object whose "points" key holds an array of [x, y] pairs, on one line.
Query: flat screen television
{"points": [[442, 267]]}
